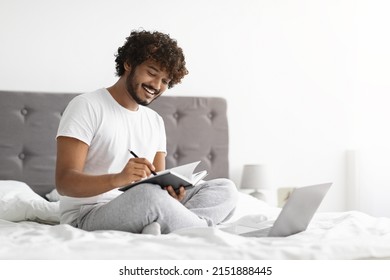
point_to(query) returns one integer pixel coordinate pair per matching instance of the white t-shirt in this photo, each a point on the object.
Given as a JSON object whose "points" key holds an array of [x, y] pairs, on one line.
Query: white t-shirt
{"points": [[110, 131]]}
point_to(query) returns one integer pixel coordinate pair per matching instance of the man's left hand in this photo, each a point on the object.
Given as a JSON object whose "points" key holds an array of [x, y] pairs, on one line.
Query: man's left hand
{"points": [[176, 195]]}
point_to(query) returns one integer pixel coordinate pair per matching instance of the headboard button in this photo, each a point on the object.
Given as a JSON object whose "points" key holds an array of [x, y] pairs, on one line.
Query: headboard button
{"points": [[22, 156], [24, 111]]}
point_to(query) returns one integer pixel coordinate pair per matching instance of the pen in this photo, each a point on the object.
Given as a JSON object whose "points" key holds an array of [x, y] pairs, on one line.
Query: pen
{"points": [[134, 155]]}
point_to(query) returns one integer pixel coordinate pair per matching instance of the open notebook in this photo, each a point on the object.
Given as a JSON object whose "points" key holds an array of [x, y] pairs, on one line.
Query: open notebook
{"points": [[176, 177]]}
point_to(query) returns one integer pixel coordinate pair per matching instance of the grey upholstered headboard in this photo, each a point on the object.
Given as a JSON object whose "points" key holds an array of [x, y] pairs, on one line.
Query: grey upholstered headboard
{"points": [[197, 129]]}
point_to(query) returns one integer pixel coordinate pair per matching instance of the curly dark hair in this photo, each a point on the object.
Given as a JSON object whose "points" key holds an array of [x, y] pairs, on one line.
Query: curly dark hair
{"points": [[143, 45]]}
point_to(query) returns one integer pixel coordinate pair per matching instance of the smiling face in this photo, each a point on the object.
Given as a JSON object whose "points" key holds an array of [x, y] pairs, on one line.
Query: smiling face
{"points": [[146, 82]]}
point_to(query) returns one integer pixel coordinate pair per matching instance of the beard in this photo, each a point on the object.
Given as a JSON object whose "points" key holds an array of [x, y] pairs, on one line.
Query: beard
{"points": [[131, 86]]}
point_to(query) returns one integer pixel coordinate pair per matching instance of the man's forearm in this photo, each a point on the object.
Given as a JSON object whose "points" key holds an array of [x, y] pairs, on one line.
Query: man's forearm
{"points": [[77, 184]]}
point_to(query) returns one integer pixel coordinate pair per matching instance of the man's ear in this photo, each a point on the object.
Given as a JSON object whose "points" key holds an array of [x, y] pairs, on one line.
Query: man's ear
{"points": [[127, 66]]}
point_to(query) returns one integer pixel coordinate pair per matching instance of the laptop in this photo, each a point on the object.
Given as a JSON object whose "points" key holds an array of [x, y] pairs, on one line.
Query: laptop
{"points": [[294, 217]]}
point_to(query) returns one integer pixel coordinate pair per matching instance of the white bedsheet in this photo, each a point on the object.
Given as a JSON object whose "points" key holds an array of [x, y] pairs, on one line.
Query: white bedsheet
{"points": [[348, 235]]}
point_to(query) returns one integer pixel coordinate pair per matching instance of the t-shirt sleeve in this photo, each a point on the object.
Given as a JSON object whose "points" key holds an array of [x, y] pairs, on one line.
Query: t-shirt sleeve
{"points": [[78, 121], [163, 136]]}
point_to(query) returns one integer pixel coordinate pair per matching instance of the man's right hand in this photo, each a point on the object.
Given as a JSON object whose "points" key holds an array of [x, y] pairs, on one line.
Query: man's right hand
{"points": [[136, 169]]}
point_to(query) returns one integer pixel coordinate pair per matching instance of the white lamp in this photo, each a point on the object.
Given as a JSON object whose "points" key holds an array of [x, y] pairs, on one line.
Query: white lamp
{"points": [[254, 177]]}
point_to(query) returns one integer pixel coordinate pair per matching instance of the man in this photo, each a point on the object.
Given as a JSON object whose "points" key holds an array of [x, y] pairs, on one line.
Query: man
{"points": [[95, 133]]}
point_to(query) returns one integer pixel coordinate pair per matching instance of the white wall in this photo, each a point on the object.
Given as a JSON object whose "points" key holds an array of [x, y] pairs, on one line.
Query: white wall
{"points": [[305, 80]]}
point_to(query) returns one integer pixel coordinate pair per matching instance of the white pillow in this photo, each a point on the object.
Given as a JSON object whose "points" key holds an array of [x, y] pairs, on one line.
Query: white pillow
{"points": [[18, 202], [53, 196]]}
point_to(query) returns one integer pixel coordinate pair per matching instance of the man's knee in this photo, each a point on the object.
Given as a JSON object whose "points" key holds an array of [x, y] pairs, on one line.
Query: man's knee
{"points": [[227, 188], [148, 194]]}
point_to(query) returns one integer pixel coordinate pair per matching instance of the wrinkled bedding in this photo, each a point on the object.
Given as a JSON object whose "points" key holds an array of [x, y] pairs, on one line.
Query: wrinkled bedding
{"points": [[347, 235]]}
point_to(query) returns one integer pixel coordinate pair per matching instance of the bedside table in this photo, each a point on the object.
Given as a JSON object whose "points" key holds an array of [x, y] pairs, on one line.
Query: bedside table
{"points": [[283, 195]]}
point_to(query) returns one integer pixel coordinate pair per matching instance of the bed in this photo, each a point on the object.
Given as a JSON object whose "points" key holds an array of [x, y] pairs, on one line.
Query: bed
{"points": [[29, 227]]}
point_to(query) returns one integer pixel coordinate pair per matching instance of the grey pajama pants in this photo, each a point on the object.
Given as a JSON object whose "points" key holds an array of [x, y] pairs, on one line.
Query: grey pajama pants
{"points": [[206, 204]]}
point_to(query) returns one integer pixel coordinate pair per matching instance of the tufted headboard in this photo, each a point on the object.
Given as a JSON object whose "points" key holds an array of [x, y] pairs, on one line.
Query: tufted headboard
{"points": [[197, 129]]}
